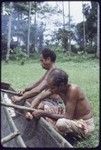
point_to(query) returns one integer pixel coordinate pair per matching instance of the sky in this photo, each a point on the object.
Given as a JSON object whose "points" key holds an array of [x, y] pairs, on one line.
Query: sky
{"points": [[75, 13], [75, 9]]}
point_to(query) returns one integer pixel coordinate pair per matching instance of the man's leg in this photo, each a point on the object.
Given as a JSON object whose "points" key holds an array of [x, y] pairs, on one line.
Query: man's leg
{"points": [[77, 127]]}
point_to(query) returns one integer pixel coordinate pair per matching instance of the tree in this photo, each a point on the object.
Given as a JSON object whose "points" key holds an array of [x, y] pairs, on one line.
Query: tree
{"points": [[62, 36], [9, 32], [90, 27], [28, 43], [98, 32], [84, 34], [41, 37], [79, 35], [69, 48], [91, 24]]}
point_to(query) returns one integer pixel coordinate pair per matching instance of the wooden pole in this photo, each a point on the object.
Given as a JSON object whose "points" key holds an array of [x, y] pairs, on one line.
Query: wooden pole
{"points": [[9, 137], [11, 92], [18, 106]]}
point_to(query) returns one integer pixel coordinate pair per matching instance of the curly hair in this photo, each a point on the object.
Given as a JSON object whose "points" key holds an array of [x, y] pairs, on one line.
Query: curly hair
{"points": [[46, 52]]}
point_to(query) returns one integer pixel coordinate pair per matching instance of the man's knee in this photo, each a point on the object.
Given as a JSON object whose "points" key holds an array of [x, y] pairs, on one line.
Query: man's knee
{"points": [[60, 124], [64, 125]]}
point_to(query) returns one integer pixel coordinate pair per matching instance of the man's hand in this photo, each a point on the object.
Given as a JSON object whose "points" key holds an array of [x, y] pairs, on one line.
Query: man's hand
{"points": [[21, 92], [37, 113], [29, 116], [16, 98]]}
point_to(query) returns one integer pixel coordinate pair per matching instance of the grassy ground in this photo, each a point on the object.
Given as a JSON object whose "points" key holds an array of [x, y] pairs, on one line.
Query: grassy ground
{"points": [[84, 73]]}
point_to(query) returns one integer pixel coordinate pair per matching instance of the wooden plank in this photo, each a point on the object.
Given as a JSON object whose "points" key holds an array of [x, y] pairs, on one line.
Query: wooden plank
{"points": [[9, 137]]}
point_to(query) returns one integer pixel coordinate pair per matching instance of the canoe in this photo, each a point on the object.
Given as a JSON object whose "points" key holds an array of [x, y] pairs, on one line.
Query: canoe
{"points": [[36, 133]]}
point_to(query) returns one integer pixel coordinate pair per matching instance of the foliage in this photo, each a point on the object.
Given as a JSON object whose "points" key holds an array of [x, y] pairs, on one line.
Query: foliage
{"points": [[20, 23], [90, 28], [62, 36], [79, 34], [19, 55], [70, 56], [4, 46], [91, 23]]}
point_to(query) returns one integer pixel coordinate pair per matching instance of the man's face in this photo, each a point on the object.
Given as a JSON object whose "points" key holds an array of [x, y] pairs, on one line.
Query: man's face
{"points": [[45, 62]]}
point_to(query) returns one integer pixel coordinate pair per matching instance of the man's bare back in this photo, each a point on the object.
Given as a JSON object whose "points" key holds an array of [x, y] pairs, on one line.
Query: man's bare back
{"points": [[76, 103]]}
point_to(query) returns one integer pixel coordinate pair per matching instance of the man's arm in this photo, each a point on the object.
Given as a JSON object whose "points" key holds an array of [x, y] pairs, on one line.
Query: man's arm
{"points": [[31, 93], [71, 105], [42, 113], [35, 84], [44, 94], [37, 100]]}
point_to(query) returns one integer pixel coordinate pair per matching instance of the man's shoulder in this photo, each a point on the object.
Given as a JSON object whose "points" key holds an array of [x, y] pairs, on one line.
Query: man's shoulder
{"points": [[77, 91], [48, 73], [74, 87], [51, 70]]}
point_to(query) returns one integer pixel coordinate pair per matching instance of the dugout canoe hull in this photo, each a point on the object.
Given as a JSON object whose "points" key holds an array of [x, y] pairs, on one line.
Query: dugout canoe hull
{"points": [[34, 133]]}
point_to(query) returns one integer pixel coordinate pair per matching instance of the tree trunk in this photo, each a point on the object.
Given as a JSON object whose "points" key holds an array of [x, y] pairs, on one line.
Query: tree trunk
{"points": [[63, 15], [28, 42], [69, 49], [40, 47], [98, 33], [9, 33], [17, 32], [84, 33], [35, 27]]}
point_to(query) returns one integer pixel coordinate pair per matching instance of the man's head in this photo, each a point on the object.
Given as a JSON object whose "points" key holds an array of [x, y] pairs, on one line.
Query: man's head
{"points": [[47, 58], [57, 81]]}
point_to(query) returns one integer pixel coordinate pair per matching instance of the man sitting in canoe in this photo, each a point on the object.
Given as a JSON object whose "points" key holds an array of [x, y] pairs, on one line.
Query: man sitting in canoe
{"points": [[47, 59], [77, 118]]}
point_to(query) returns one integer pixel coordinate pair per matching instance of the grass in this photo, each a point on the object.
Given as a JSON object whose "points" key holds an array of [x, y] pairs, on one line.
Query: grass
{"points": [[84, 73]]}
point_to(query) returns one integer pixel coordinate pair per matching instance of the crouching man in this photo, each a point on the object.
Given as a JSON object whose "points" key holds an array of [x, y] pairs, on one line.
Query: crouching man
{"points": [[77, 118]]}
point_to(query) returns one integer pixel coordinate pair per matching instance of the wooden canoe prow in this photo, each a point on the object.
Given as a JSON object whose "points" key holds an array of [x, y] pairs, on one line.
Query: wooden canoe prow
{"points": [[33, 133]]}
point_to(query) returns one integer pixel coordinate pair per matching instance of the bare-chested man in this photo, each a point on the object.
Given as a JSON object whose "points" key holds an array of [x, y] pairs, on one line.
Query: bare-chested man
{"points": [[77, 118], [47, 59]]}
